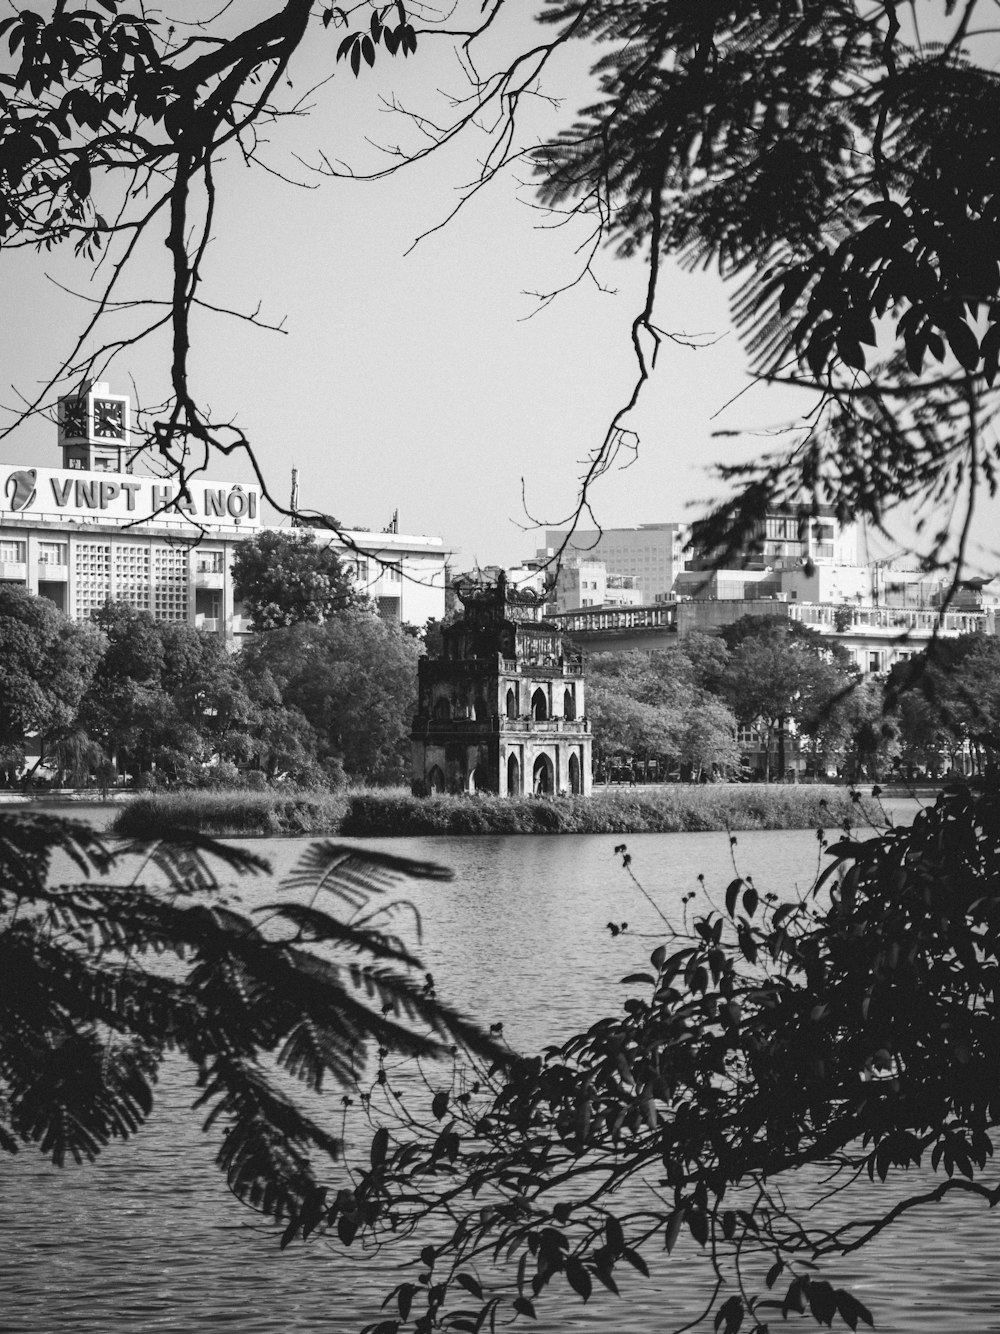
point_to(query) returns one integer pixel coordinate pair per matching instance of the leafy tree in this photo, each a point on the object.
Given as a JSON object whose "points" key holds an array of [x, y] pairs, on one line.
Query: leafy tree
{"points": [[625, 727], [705, 741], [105, 975], [352, 679], [126, 707], [286, 578], [46, 665], [643, 704], [863, 732], [959, 682], [780, 673]]}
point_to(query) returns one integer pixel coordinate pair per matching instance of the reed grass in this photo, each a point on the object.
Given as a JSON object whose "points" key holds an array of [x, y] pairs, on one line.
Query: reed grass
{"points": [[236, 813], [393, 812]]}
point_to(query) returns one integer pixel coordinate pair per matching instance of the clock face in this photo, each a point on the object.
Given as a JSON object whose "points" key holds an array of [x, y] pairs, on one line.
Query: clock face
{"points": [[109, 418], [74, 421]]}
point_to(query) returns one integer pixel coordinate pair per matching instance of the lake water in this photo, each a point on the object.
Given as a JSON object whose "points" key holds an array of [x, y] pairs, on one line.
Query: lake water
{"points": [[148, 1238]]}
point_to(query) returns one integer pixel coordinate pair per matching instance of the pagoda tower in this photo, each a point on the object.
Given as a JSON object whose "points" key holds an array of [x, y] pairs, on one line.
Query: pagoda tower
{"points": [[503, 709]]}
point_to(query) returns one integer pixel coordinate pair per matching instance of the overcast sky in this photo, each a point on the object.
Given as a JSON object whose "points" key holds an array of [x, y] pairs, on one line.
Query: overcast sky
{"points": [[427, 382]]}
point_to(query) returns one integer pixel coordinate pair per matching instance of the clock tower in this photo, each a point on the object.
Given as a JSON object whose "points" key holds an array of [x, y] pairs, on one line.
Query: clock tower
{"points": [[95, 429]]}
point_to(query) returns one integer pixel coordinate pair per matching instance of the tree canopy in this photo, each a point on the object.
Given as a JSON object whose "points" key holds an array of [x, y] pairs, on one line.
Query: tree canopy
{"points": [[46, 665], [284, 578], [353, 680]]}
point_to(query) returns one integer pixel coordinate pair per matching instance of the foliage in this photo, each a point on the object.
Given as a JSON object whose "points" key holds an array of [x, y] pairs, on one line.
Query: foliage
{"points": [[854, 1030], [287, 578], [659, 704], [780, 673], [144, 952], [381, 813], [164, 696], [353, 681], [46, 664], [882, 258], [949, 695], [231, 813]]}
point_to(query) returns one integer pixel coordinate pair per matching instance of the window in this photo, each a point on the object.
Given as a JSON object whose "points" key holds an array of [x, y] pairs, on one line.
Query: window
{"points": [[170, 583], [12, 551], [92, 562], [392, 572], [209, 562], [131, 570], [52, 553]]}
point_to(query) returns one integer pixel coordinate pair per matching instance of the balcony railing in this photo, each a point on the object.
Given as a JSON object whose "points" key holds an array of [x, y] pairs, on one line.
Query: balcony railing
{"points": [[209, 579], [485, 726], [51, 573], [660, 617]]}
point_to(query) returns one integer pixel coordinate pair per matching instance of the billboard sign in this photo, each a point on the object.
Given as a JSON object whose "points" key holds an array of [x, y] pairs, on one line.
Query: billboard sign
{"points": [[120, 498]]}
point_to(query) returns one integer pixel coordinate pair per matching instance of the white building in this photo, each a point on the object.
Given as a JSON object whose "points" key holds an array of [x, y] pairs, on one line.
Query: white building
{"points": [[587, 583], [93, 531], [652, 553]]}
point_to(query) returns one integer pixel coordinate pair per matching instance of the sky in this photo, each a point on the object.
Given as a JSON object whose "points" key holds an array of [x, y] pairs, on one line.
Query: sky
{"points": [[426, 380]]}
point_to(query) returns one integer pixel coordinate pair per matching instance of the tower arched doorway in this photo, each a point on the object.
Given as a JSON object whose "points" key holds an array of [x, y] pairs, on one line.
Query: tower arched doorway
{"points": [[480, 709], [543, 777], [539, 705], [569, 704], [435, 779], [442, 710], [513, 776], [575, 783], [479, 779]]}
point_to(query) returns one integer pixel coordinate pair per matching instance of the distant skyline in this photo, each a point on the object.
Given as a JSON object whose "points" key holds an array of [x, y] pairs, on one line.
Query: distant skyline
{"points": [[431, 382]]}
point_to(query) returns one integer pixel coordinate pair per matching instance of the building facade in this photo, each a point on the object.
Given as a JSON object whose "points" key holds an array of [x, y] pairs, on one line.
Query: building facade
{"points": [[93, 531], [503, 709], [651, 554]]}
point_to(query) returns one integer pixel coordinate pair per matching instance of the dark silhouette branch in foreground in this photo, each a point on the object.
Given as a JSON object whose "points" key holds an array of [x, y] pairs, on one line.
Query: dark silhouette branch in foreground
{"points": [[773, 1053]]}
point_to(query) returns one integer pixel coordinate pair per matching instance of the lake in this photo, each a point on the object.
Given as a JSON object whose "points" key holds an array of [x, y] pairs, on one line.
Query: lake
{"points": [[148, 1238]]}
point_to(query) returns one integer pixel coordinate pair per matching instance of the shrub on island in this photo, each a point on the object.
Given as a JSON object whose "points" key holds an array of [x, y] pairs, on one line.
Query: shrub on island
{"points": [[393, 812]]}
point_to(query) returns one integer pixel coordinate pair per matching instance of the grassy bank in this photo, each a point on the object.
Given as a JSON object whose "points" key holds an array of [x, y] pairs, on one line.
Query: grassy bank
{"points": [[380, 813], [231, 814]]}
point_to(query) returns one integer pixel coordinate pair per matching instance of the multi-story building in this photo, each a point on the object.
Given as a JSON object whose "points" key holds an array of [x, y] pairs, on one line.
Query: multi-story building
{"points": [[793, 553], [652, 554], [588, 583], [93, 531]]}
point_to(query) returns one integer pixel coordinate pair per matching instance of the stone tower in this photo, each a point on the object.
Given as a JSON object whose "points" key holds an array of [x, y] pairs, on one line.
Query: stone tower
{"points": [[503, 709]]}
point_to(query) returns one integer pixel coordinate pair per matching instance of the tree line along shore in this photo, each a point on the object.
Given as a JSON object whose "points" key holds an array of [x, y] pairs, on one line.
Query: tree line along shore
{"points": [[381, 813]]}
